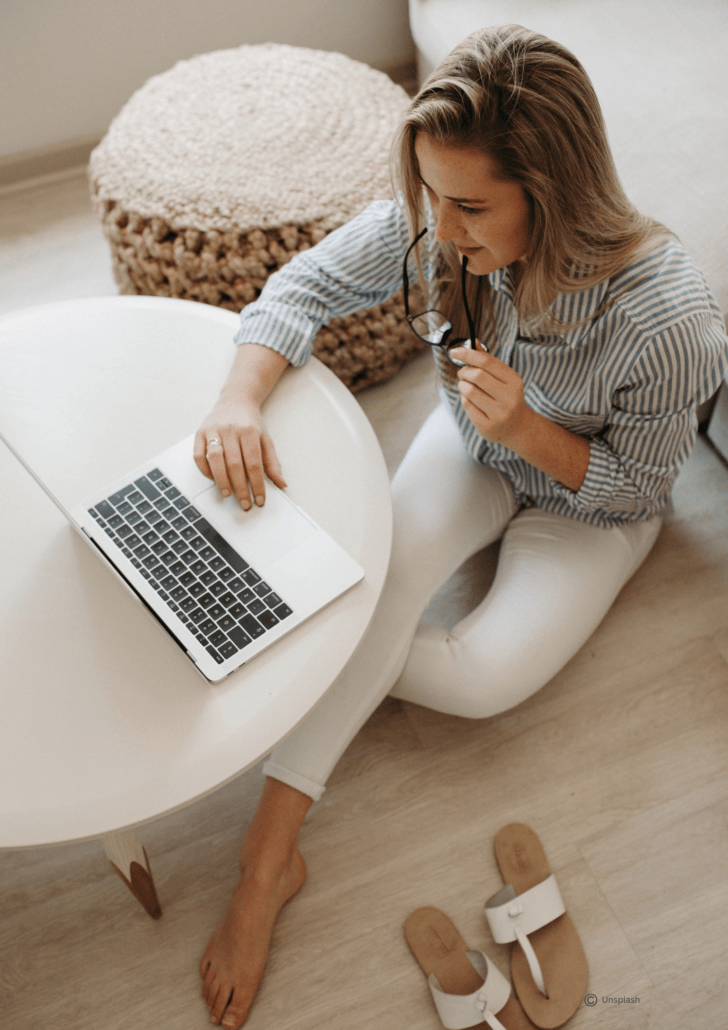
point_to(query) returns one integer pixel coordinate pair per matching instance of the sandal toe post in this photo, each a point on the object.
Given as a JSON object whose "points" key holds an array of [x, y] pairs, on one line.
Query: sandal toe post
{"points": [[548, 964]]}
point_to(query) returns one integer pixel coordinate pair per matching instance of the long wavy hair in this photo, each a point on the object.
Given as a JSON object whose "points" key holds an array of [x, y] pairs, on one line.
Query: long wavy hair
{"points": [[528, 103]]}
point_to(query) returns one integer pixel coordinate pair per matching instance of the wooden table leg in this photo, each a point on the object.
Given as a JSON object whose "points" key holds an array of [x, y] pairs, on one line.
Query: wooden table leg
{"points": [[129, 860]]}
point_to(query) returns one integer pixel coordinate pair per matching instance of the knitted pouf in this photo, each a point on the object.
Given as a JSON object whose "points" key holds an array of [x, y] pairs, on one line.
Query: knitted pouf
{"points": [[218, 171]]}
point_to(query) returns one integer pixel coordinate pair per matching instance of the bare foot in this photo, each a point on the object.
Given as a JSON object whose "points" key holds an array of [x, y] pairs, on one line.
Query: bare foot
{"points": [[232, 966]]}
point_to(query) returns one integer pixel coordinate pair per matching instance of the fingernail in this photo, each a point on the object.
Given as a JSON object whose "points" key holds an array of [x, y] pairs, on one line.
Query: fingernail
{"points": [[226, 493], [229, 1021], [245, 504], [259, 500]]}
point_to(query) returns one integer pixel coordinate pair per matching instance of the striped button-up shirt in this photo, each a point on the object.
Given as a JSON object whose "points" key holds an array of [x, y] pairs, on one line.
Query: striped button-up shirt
{"points": [[629, 379]]}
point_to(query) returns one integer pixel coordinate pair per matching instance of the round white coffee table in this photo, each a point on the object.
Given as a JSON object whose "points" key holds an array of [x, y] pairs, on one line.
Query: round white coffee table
{"points": [[104, 724]]}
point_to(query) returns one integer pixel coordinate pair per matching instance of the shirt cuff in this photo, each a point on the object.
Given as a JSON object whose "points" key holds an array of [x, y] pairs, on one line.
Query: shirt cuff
{"points": [[279, 327], [604, 478]]}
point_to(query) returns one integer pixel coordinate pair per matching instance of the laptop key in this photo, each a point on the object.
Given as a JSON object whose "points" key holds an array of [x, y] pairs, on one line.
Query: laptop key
{"points": [[218, 657], [268, 619], [239, 637], [282, 611], [251, 626], [228, 649], [147, 488], [119, 496]]}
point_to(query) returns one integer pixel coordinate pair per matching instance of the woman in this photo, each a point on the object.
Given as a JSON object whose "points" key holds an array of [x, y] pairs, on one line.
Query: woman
{"points": [[561, 433]]}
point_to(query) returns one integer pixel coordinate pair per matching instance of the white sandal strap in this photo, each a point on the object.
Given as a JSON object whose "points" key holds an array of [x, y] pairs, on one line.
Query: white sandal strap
{"points": [[512, 917], [458, 1011], [533, 963]]}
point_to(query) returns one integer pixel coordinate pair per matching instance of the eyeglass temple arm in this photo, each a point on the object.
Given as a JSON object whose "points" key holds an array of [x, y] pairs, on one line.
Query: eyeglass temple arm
{"points": [[405, 277], [471, 325]]}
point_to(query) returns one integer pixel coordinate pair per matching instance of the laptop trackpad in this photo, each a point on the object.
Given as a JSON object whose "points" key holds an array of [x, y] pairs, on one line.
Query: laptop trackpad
{"points": [[262, 534]]}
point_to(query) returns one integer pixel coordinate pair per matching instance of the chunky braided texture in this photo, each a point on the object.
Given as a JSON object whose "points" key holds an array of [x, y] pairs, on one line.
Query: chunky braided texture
{"points": [[218, 171]]}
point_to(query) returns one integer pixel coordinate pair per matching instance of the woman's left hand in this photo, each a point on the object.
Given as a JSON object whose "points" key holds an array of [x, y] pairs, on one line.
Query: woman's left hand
{"points": [[493, 397]]}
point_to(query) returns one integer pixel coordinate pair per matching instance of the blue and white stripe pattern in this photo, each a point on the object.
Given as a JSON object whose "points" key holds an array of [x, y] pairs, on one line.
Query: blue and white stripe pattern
{"points": [[630, 379]]}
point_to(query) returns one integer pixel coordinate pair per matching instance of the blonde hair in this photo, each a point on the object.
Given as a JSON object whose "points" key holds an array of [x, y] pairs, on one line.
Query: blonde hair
{"points": [[528, 103]]}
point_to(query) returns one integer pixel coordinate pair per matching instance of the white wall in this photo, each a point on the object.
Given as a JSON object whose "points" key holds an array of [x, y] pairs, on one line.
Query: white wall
{"points": [[68, 66]]}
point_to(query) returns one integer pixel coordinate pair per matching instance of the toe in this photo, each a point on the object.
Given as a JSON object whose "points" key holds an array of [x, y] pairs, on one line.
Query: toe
{"points": [[219, 1005], [235, 1015]]}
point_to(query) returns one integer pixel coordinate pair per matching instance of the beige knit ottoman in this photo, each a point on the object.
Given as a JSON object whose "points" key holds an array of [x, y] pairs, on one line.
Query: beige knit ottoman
{"points": [[218, 171]]}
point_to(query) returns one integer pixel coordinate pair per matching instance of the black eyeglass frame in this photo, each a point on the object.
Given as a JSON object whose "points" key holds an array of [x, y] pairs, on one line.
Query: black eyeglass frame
{"points": [[445, 343]]}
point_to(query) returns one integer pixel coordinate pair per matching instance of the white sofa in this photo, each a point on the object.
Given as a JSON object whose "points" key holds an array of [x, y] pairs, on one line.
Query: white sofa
{"points": [[660, 70]]}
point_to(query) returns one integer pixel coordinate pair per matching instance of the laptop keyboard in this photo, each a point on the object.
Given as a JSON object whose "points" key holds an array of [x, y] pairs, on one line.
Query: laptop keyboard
{"points": [[211, 588]]}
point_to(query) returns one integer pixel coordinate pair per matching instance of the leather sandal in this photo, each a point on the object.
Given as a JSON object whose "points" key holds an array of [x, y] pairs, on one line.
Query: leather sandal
{"points": [[548, 964], [467, 989]]}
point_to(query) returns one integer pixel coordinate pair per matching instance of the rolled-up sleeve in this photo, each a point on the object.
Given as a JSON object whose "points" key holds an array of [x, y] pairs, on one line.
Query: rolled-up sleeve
{"points": [[356, 267], [653, 422]]}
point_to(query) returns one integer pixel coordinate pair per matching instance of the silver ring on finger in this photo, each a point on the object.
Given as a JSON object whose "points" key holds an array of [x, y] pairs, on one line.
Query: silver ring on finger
{"points": [[210, 442]]}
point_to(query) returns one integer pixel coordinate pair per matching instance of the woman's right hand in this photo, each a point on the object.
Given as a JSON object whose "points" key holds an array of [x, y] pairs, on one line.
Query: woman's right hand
{"points": [[234, 449], [232, 446]]}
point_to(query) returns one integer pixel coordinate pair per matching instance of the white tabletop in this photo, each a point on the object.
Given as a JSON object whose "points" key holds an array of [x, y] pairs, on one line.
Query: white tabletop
{"points": [[104, 724]]}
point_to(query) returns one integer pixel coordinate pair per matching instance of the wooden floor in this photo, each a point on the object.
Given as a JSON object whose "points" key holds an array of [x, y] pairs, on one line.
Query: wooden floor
{"points": [[620, 763]]}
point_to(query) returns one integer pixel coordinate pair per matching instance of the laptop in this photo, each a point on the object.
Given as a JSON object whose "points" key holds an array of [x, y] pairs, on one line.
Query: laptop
{"points": [[224, 583]]}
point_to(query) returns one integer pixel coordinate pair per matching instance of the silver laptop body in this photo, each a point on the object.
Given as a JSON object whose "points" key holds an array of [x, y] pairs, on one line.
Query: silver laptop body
{"points": [[223, 582]]}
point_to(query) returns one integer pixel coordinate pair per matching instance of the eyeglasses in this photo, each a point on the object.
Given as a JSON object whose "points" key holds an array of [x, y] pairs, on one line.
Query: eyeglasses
{"points": [[432, 326]]}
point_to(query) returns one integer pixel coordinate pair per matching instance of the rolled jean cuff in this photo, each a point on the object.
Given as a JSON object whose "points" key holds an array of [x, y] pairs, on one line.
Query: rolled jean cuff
{"points": [[293, 779]]}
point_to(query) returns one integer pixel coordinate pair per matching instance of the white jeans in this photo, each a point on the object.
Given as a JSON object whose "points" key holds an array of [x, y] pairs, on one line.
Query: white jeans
{"points": [[555, 581]]}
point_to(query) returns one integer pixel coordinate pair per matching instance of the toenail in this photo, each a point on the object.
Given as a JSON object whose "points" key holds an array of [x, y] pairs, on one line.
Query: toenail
{"points": [[229, 1021]]}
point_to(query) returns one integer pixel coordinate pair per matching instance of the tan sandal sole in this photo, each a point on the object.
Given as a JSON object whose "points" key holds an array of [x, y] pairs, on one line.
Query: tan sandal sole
{"points": [[522, 862]]}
